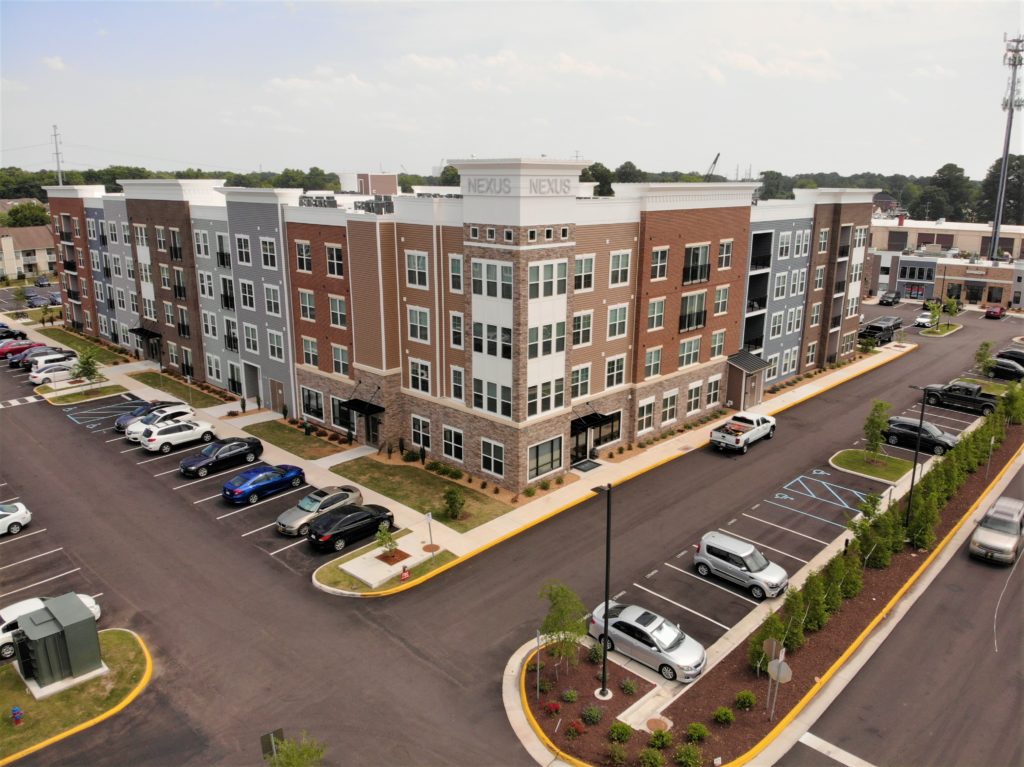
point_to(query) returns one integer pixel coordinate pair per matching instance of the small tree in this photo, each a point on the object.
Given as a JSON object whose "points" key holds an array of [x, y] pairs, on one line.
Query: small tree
{"points": [[793, 614], [833, 575], [771, 628], [454, 502], [853, 577], [951, 308], [386, 539], [304, 752], [924, 515], [814, 598], [565, 625], [874, 424], [983, 359], [86, 367], [935, 310]]}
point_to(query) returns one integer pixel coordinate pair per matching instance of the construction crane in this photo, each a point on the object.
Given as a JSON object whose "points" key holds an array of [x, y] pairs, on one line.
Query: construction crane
{"points": [[711, 170]]}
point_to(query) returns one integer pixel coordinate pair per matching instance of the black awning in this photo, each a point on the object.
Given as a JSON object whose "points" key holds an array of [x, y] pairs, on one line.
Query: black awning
{"points": [[747, 362], [362, 407], [589, 421], [145, 333]]}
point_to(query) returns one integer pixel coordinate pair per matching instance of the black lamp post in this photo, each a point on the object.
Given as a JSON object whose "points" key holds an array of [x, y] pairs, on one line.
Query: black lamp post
{"points": [[607, 585], [917, 452]]}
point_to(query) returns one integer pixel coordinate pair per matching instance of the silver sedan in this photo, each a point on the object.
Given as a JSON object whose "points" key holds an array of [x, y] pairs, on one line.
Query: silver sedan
{"points": [[650, 639], [295, 521]]}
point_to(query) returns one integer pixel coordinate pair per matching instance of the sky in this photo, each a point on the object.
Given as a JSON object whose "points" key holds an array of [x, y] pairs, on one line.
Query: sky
{"points": [[893, 87]]}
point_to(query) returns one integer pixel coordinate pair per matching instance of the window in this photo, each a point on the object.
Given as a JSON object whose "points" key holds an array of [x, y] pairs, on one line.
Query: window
{"points": [[549, 233], [165, 277], [581, 328], [213, 367], [807, 243], [202, 243], [619, 269], [268, 251], [486, 279], [725, 254], [713, 393], [242, 247], [801, 285], [455, 273], [421, 432], [545, 339], [168, 313], [161, 240], [310, 356], [659, 263], [693, 398], [416, 269], [492, 456], [275, 345], [247, 293], [860, 236], [120, 299], [790, 317], [486, 397], [303, 257], [722, 299], [689, 352], [669, 403], [798, 319], [145, 273], [94, 260], [509, 235], [312, 403], [819, 277], [339, 312], [615, 369], [798, 242], [335, 265], [205, 284], [419, 375], [90, 228], [172, 353], [419, 324], [103, 325], [112, 231], [694, 312], [815, 315], [776, 325], [617, 321], [545, 457], [272, 295], [252, 343], [772, 370], [652, 362], [148, 308], [141, 236], [129, 267], [125, 233], [849, 339], [812, 353], [583, 278], [784, 244], [696, 264], [645, 417], [339, 357], [474, 232], [718, 343], [822, 240], [451, 443], [486, 340], [115, 262], [458, 376], [656, 314], [209, 324], [852, 306], [133, 302], [548, 395], [490, 233], [307, 305], [856, 270], [565, 232], [547, 279], [580, 381], [780, 286], [794, 282]]}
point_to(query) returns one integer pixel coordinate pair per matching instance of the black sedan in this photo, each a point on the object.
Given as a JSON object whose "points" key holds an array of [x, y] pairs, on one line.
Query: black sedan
{"points": [[1012, 353], [6, 333], [905, 431], [336, 529], [220, 455], [1006, 368]]}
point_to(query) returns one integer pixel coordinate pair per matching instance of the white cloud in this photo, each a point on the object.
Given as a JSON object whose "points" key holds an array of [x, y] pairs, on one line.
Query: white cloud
{"points": [[56, 63], [569, 65], [430, 63], [810, 64], [933, 72], [324, 82], [714, 73], [101, 32], [894, 95]]}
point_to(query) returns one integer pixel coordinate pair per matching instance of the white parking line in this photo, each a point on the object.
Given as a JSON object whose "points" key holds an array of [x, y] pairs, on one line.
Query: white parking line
{"points": [[8, 500], [258, 529], [172, 454], [683, 607], [29, 559], [39, 583], [115, 439], [260, 503], [289, 546], [132, 449], [706, 582], [169, 471], [757, 543], [618, 595], [833, 751], [203, 500], [206, 478], [915, 412], [22, 536], [788, 530]]}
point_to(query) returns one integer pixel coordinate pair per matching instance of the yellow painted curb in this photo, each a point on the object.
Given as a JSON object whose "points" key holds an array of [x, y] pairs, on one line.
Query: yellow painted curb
{"points": [[841, 660], [136, 691], [541, 735]]}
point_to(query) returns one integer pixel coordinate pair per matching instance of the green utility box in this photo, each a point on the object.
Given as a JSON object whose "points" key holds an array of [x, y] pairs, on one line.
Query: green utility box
{"points": [[58, 641]]}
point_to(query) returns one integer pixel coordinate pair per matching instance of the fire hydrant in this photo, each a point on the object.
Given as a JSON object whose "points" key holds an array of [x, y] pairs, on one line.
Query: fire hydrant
{"points": [[17, 715]]}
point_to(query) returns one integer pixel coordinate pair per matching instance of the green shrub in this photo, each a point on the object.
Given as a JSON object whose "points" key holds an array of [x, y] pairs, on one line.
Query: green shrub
{"points": [[559, 480], [545, 685], [409, 456], [724, 715], [745, 700], [454, 502], [530, 492], [660, 739], [792, 615], [616, 755], [455, 473], [532, 666], [833, 577], [620, 732], [771, 628], [435, 466], [570, 695], [650, 757], [814, 603], [483, 484], [853, 570], [595, 654], [592, 714], [619, 451], [628, 686], [688, 756], [696, 732], [544, 484]]}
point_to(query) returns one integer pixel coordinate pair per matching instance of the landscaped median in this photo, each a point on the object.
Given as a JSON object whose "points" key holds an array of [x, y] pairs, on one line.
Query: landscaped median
{"points": [[192, 395], [66, 713], [83, 395], [105, 354], [336, 577]]}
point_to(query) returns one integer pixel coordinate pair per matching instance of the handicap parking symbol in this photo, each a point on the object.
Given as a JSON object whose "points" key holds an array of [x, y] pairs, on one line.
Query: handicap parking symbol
{"points": [[783, 497], [820, 472]]}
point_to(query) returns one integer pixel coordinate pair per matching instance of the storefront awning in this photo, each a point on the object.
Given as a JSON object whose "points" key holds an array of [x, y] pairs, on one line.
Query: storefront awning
{"points": [[362, 407], [589, 421], [145, 333]]}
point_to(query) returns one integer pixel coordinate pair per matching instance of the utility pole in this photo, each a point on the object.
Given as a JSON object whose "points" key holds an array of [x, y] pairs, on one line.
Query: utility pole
{"points": [[56, 153], [1012, 58]]}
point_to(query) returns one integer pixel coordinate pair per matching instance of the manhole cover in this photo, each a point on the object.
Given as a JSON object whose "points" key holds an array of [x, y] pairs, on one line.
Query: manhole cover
{"points": [[431, 548], [657, 724]]}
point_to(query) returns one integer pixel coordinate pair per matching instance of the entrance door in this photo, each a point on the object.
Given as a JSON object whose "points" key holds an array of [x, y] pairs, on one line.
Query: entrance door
{"points": [[276, 396], [974, 292], [578, 449], [372, 430]]}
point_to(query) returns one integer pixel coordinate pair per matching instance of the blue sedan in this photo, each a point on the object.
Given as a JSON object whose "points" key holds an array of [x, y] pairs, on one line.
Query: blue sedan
{"points": [[252, 484]]}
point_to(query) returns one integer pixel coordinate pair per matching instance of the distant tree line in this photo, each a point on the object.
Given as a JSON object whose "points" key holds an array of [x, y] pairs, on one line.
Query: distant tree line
{"points": [[948, 193]]}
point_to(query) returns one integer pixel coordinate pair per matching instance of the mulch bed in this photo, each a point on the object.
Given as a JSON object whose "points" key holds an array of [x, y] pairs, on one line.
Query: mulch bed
{"points": [[732, 674]]}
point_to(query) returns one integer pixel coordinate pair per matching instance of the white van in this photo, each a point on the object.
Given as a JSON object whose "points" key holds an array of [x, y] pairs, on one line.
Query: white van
{"points": [[49, 359]]}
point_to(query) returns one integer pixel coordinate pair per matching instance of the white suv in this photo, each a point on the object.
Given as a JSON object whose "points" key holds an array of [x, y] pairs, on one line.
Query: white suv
{"points": [[10, 615], [156, 418], [167, 435]]}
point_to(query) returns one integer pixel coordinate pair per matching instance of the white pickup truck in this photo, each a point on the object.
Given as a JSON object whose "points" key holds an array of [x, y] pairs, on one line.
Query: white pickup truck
{"points": [[743, 430]]}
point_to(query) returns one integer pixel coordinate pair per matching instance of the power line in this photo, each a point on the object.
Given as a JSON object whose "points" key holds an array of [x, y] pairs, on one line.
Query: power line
{"points": [[19, 148], [153, 157]]}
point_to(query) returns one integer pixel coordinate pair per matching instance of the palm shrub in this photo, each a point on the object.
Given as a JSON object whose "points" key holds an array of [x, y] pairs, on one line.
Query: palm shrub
{"points": [[792, 614], [814, 602]]}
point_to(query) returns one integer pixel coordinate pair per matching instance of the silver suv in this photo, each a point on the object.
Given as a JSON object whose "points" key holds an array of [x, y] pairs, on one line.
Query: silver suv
{"points": [[742, 563], [999, 533]]}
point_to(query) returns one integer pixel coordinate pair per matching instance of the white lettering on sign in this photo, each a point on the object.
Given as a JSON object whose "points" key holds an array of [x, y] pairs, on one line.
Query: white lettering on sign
{"points": [[548, 186], [489, 185], [496, 185]]}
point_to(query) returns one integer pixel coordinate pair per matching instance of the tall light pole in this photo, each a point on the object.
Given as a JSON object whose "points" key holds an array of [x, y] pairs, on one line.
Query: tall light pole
{"points": [[1012, 58], [607, 489], [917, 452]]}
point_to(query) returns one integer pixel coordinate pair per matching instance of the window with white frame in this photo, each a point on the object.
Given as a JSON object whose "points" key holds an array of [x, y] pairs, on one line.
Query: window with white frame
{"points": [[202, 243], [547, 279], [90, 228], [455, 272], [458, 383], [689, 352], [141, 236], [583, 278], [168, 313], [419, 324], [126, 236], [339, 358], [565, 232], [95, 259], [242, 249], [693, 398], [112, 231], [307, 305], [815, 314], [335, 261], [165, 277], [775, 329], [419, 375], [579, 382], [275, 345], [581, 327], [268, 250], [812, 353], [416, 269], [652, 362], [669, 406], [509, 235], [455, 329], [645, 416], [492, 457], [785, 238], [713, 392], [801, 285], [491, 279], [619, 272], [543, 340], [822, 240], [148, 308], [615, 371], [172, 353], [780, 286], [310, 355], [545, 397], [303, 257], [798, 242], [115, 262], [491, 397], [205, 284], [772, 371], [490, 233], [721, 299], [247, 294], [492, 340], [120, 299], [852, 306], [452, 443], [272, 296], [856, 271], [104, 330], [145, 273], [786, 356], [213, 367], [849, 339], [312, 403], [84, 288], [819, 277], [133, 302], [656, 314], [617, 321], [696, 264], [794, 282], [421, 432], [725, 254], [798, 319], [129, 267], [544, 458], [209, 324], [252, 342], [659, 263], [161, 238], [860, 236], [339, 311], [790, 317], [718, 343], [474, 232]]}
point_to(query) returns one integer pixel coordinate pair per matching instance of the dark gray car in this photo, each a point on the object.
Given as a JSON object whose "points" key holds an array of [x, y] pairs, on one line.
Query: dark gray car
{"points": [[904, 431]]}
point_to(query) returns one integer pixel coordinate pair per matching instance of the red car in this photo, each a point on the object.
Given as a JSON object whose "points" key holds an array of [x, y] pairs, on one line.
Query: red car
{"points": [[17, 346], [995, 312]]}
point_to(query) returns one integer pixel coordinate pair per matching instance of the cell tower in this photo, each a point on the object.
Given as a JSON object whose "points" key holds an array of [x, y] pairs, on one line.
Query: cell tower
{"points": [[1012, 58]]}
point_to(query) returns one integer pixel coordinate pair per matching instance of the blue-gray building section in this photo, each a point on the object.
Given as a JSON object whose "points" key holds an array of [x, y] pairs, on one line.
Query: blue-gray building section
{"points": [[269, 379], [100, 274], [915, 277], [123, 276], [218, 311]]}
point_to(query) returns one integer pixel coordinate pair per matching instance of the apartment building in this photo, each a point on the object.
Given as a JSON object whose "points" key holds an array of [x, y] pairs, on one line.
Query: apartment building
{"points": [[26, 250], [67, 210]]}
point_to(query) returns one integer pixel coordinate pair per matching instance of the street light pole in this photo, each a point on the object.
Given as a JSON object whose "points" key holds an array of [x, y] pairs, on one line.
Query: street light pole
{"points": [[917, 452], [603, 693]]}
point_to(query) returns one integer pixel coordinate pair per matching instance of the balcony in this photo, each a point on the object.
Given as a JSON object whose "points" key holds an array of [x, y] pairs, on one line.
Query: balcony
{"points": [[754, 344], [227, 302], [110, 303], [234, 386], [836, 322], [187, 370], [184, 330], [76, 325], [70, 265], [844, 251], [841, 286], [106, 271], [66, 236], [231, 343], [696, 273], [761, 262], [175, 251], [223, 259], [180, 292], [693, 320], [74, 295], [758, 304], [103, 239]]}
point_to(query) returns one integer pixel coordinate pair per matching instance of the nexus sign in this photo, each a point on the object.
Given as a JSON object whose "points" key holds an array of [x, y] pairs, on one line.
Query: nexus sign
{"points": [[502, 186]]}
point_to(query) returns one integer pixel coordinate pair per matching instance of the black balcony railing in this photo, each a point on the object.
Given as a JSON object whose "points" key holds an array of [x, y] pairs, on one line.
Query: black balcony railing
{"points": [[841, 286], [844, 251], [179, 291], [227, 302], [223, 259], [754, 343], [757, 304], [693, 320], [187, 370], [175, 251], [74, 295], [696, 273], [761, 262], [234, 386], [103, 239], [110, 303], [231, 343], [66, 236], [184, 330], [75, 324], [836, 321], [70, 265], [106, 271]]}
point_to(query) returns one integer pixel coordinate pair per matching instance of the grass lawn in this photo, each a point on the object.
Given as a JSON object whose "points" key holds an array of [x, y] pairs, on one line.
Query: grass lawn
{"points": [[331, 575], [942, 329], [293, 440], [103, 355], [988, 386], [121, 652], [423, 491], [35, 315], [176, 388], [81, 396], [884, 467]]}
